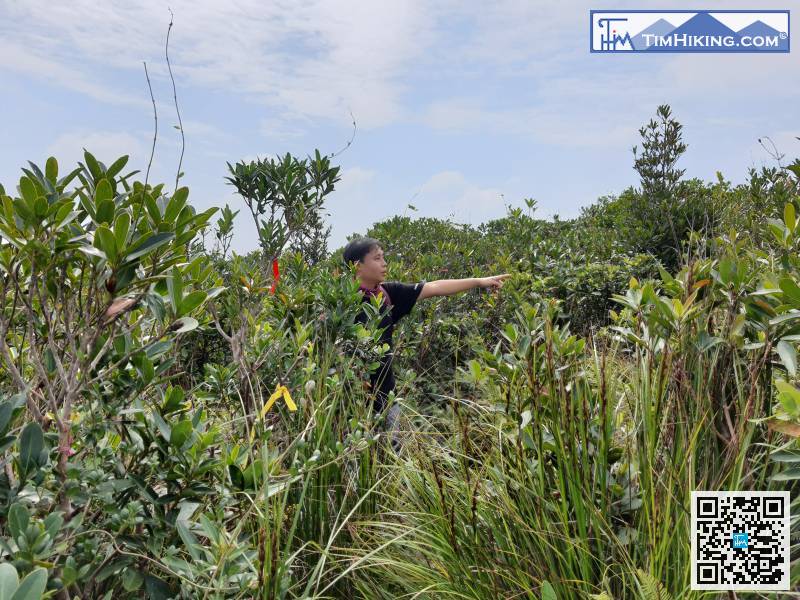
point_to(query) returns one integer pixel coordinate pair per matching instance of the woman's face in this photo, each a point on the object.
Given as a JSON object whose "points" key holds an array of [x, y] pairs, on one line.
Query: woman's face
{"points": [[372, 269]]}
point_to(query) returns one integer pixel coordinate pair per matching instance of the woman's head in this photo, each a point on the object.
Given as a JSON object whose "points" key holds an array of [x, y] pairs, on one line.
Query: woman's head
{"points": [[366, 253]]}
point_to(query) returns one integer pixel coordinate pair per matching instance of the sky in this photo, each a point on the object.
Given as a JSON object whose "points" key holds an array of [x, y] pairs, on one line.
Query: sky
{"points": [[462, 108]]}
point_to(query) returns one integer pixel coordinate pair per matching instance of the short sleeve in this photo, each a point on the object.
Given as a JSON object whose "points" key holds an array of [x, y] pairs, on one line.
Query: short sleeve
{"points": [[403, 296]]}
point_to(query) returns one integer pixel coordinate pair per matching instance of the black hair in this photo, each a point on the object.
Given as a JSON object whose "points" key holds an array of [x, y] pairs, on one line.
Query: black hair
{"points": [[357, 249]]}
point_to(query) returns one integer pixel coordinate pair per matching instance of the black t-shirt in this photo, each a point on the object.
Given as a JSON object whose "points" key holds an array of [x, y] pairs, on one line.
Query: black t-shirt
{"points": [[403, 297]]}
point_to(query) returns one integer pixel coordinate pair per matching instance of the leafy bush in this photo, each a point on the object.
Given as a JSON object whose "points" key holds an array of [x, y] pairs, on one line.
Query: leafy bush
{"points": [[175, 422]]}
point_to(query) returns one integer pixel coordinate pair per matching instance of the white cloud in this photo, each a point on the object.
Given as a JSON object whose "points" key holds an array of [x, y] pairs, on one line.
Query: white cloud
{"points": [[722, 76], [16, 56], [276, 129], [356, 203], [318, 60], [558, 125], [449, 194], [105, 146], [362, 198], [245, 234], [354, 179], [326, 58]]}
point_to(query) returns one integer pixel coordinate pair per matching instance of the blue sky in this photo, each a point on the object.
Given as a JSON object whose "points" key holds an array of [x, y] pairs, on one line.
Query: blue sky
{"points": [[461, 107]]}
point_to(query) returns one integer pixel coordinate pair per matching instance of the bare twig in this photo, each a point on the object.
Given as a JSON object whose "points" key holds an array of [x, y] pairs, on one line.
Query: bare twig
{"points": [[175, 98], [152, 150], [774, 153], [155, 128], [352, 137]]}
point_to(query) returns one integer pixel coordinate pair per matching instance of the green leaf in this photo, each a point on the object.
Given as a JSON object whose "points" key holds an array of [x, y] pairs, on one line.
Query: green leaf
{"points": [[92, 251], [9, 580], [237, 477], [184, 324], [132, 579], [705, 341], [790, 290], [64, 181], [157, 588], [275, 488], [784, 317], [778, 230], [189, 539], [176, 204], [93, 165], [31, 444], [53, 523], [727, 270], [180, 433], [175, 289], [51, 170], [65, 215], [789, 397], [786, 456], [148, 245], [192, 301], [158, 349], [788, 475], [548, 593], [210, 529], [788, 356], [23, 210], [105, 211], [163, 427], [103, 192], [122, 225], [105, 241], [18, 519], [116, 166], [253, 474], [27, 190], [32, 587], [7, 408], [40, 207], [173, 401], [789, 217]]}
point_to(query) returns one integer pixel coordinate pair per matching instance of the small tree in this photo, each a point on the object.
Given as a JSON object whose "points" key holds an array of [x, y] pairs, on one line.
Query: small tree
{"points": [[656, 206], [94, 288], [285, 198]]}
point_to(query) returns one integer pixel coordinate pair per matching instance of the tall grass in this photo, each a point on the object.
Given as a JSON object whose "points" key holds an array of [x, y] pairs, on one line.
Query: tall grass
{"points": [[568, 468]]}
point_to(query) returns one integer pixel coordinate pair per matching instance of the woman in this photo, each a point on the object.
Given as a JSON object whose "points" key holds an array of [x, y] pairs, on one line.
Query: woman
{"points": [[397, 300]]}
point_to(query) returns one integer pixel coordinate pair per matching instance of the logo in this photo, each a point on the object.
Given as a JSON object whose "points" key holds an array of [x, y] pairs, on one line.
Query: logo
{"points": [[722, 557], [689, 31]]}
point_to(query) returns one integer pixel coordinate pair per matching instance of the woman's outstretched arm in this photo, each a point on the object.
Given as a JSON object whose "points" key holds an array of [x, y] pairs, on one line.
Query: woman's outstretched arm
{"points": [[448, 287]]}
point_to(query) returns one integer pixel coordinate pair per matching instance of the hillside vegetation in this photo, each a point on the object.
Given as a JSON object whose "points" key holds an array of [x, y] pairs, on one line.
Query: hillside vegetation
{"points": [[178, 422]]}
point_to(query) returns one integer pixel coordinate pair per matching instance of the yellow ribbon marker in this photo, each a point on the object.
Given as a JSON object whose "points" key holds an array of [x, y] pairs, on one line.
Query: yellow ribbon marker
{"points": [[282, 390]]}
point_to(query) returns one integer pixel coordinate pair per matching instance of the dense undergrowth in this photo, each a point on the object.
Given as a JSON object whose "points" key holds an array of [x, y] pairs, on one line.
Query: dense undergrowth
{"points": [[212, 439]]}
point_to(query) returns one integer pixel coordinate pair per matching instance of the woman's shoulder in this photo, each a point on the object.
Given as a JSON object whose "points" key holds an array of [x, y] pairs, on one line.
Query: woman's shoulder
{"points": [[402, 284]]}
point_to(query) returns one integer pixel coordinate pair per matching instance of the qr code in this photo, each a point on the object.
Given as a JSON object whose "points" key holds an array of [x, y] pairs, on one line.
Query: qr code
{"points": [[740, 540]]}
